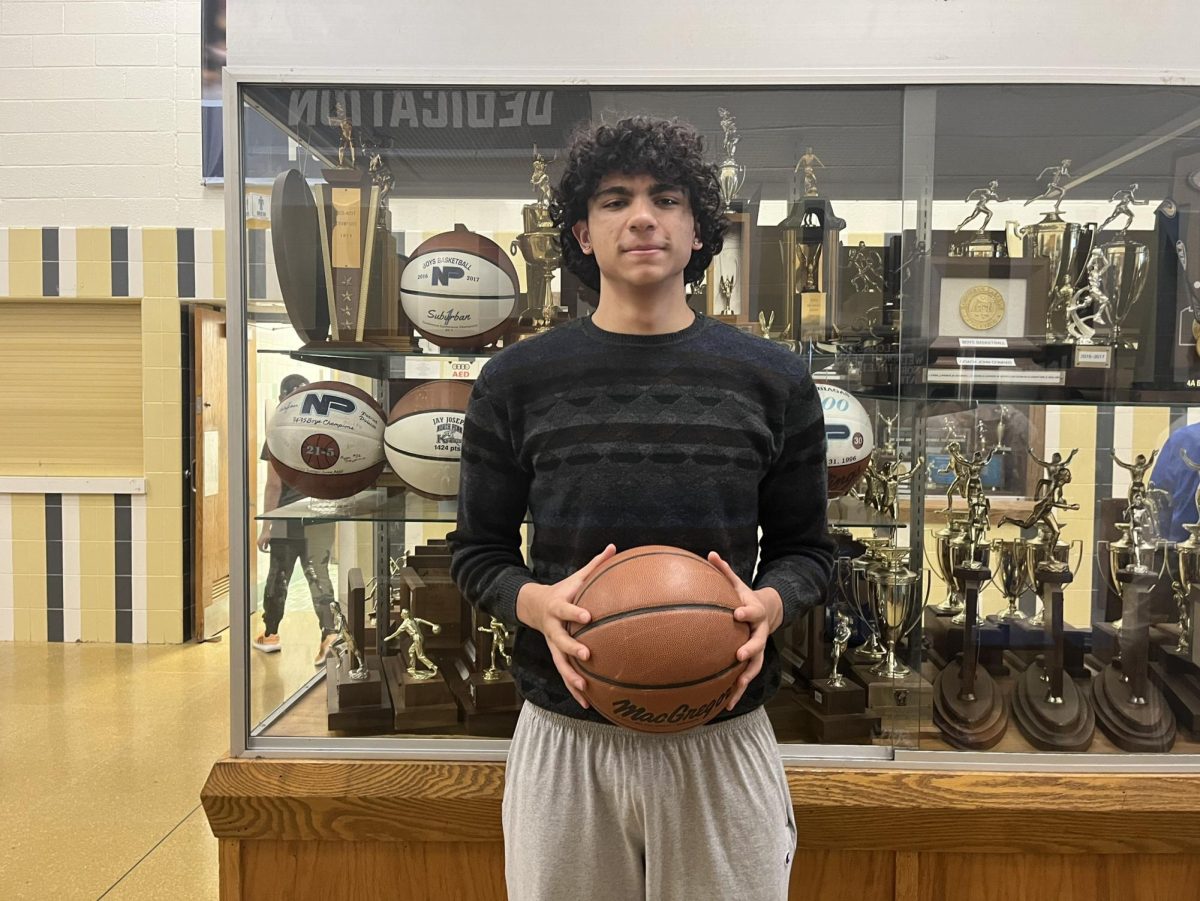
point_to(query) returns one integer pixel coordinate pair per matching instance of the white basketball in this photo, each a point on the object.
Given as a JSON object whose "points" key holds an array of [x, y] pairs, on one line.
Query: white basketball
{"points": [[459, 289], [326, 439], [423, 439], [849, 438]]}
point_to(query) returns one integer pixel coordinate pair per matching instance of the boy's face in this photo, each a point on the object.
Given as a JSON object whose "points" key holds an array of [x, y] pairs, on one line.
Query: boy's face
{"points": [[642, 232]]}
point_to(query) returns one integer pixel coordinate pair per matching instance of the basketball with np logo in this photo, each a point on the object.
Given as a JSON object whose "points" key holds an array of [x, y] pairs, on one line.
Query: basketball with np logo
{"points": [[326, 440], [459, 289], [662, 638]]}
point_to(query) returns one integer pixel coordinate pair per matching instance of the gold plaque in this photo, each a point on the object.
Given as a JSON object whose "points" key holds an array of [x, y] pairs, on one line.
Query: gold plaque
{"points": [[347, 228], [982, 308]]}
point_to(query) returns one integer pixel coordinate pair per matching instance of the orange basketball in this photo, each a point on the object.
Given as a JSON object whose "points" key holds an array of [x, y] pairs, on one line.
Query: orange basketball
{"points": [[662, 637]]}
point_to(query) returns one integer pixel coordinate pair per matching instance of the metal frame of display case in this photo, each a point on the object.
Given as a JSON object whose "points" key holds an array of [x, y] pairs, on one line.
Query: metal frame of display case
{"points": [[916, 204]]}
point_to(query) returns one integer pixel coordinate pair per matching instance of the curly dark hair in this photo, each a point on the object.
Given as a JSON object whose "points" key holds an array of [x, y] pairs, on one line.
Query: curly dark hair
{"points": [[668, 150]]}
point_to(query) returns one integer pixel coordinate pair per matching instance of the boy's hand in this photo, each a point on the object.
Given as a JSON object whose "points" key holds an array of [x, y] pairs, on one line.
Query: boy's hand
{"points": [[548, 608], [762, 610]]}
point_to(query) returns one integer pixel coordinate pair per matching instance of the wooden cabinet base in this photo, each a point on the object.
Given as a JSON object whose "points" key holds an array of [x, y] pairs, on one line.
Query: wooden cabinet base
{"points": [[397, 829]]}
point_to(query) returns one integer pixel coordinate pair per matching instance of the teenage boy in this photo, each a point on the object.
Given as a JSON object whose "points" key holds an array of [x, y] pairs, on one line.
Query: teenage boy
{"points": [[645, 424]]}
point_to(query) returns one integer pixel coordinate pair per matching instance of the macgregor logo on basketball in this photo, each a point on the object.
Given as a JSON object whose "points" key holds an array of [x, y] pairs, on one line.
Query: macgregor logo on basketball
{"points": [[627, 709]]}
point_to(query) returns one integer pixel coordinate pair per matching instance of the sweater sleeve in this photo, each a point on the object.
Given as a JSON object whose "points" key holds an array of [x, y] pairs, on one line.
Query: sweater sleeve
{"points": [[795, 549], [486, 562]]}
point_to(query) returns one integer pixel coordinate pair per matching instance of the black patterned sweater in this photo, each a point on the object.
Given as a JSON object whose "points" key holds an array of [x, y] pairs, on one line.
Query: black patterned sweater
{"points": [[696, 439]]}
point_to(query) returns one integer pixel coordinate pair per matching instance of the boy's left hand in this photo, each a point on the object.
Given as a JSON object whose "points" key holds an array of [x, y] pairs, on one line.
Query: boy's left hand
{"points": [[762, 610]]}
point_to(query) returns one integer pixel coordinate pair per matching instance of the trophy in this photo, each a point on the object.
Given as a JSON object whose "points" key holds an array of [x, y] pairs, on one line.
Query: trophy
{"points": [[1050, 710], [1122, 282], [1013, 572], [1129, 708], [499, 636], [808, 160], [1184, 577], [346, 647], [895, 605], [980, 245], [950, 547], [725, 283], [539, 245], [732, 174], [1066, 245], [852, 585], [968, 707], [1002, 430], [888, 446], [411, 626], [348, 210], [810, 247], [841, 636]]}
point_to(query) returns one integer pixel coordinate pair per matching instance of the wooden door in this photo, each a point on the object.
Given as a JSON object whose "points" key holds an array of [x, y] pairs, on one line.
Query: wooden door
{"points": [[210, 566]]}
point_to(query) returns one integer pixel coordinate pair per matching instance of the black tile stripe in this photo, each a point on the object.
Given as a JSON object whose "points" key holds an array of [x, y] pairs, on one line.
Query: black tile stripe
{"points": [[50, 263], [123, 533], [1104, 481], [54, 568], [185, 247], [120, 260]]}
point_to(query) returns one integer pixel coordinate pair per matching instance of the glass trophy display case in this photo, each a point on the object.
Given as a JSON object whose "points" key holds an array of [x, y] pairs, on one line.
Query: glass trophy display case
{"points": [[995, 288]]}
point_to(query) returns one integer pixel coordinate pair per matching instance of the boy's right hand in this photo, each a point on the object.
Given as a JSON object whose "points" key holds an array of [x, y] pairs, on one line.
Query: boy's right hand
{"points": [[548, 608]]}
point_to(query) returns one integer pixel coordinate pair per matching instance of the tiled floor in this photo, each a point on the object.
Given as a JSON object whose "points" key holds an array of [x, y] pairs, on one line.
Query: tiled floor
{"points": [[103, 751]]}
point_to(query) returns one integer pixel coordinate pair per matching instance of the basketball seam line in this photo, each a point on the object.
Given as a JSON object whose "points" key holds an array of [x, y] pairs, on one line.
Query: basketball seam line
{"points": [[625, 614], [642, 556], [421, 456], [676, 685], [448, 296]]}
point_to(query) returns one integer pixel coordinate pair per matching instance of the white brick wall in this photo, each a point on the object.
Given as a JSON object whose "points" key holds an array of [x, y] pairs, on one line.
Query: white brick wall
{"points": [[100, 114]]}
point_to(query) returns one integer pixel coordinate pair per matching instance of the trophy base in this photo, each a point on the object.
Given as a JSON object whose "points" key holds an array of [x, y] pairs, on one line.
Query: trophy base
{"points": [[1138, 728], [912, 692], [1011, 614], [1068, 726], [492, 693], [497, 722], [946, 641], [837, 700], [356, 710], [951, 607], [844, 728], [974, 724], [418, 704], [1182, 693]]}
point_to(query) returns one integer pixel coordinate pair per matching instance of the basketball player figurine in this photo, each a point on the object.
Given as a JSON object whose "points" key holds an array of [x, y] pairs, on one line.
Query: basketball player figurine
{"points": [[499, 639], [342, 121], [893, 476], [1053, 468], [346, 646], [957, 465], [411, 626], [1137, 474], [841, 637], [807, 161]]}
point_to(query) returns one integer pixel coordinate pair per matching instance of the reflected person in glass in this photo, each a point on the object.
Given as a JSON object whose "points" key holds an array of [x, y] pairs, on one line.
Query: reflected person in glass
{"points": [[289, 542]]}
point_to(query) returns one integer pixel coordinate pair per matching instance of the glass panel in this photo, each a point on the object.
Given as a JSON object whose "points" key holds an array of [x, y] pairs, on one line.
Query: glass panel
{"points": [[343, 185], [1056, 400]]}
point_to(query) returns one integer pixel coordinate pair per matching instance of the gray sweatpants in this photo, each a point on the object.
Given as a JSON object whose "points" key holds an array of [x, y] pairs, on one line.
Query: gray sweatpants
{"points": [[594, 812]]}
